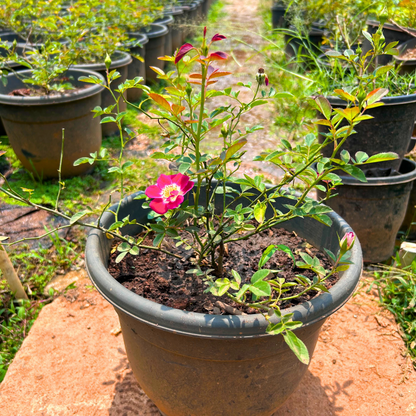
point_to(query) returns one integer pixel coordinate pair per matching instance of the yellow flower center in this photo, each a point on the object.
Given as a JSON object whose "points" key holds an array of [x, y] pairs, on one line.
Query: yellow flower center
{"points": [[171, 192]]}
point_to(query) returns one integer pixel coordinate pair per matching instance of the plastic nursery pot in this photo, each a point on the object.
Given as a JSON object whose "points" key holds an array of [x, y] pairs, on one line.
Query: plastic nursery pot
{"points": [[190, 18], [154, 49], [34, 125], [168, 22], [176, 29], [137, 68], [20, 49], [120, 62], [205, 8], [182, 360], [391, 33], [408, 226], [279, 16], [302, 48], [375, 210], [389, 130], [34, 41], [406, 65]]}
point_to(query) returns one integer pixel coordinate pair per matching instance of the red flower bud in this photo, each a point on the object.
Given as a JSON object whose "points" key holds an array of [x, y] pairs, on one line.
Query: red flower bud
{"points": [[218, 37]]}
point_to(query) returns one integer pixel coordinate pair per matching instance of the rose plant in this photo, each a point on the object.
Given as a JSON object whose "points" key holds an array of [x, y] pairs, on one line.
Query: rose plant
{"points": [[179, 216]]}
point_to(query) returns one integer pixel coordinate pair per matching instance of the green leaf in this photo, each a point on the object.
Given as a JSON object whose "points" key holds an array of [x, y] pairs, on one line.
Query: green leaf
{"points": [[259, 275], [297, 346], [355, 172], [260, 289], [121, 256], [382, 157], [78, 216], [124, 246], [260, 212], [324, 106], [81, 161], [236, 276]]}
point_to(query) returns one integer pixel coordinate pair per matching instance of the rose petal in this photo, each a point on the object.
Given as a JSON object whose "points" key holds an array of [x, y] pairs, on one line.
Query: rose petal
{"points": [[175, 204], [164, 180], [153, 191], [218, 37], [158, 206], [181, 180], [188, 187]]}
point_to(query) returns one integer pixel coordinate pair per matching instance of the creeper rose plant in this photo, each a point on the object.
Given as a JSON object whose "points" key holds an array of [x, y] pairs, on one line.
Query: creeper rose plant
{"points": [[203, 206]]}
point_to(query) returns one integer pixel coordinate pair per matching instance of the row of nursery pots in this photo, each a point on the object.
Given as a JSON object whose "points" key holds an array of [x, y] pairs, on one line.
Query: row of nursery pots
{"points": [[34, 124], [385, 204]]}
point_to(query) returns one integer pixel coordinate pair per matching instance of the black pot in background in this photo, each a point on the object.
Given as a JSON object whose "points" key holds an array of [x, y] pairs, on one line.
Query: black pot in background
{"points": [[34, 125], [21, 48], [278, 16], [154, 49], [228, 357], [406, 65], [120, 62], [301, 50], [137, 68], [177, 31], [190, 18], [35, 42], [389, 131], [391, 33], [375, 210], [167, 21]]}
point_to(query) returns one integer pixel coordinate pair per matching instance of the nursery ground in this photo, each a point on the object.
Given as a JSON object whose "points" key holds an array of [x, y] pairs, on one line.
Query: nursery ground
{"points": [[73, 363]]}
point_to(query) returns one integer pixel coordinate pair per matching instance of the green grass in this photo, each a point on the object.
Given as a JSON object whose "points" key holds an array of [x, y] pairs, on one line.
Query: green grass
{"points": [[397, 292], [36, 268]]}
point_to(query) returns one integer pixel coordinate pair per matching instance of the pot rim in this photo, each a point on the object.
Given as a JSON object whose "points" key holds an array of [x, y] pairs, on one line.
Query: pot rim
{"points": [[24, 46], [156, 31], [174, 11], [213, 326], [122, 59], [396, 100], [141, 37], [385, 180], [388, 26], [167, 20], [92, 89]]}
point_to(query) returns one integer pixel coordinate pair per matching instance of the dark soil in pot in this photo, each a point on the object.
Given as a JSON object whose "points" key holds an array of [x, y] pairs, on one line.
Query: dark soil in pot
{"points": [[34, 125], [389, 130], [375, 210], [407, 56], [182, 360], [137, 68], [120, 62], [164, 280], [154, 49]]}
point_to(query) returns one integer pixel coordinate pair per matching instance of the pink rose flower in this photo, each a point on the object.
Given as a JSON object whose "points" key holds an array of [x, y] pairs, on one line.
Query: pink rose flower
{"points": [[169, 192]]}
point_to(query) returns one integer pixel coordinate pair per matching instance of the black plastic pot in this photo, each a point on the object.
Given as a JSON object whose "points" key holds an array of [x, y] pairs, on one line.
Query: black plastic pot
{"points": [[177, 32], [375, 210], [391, 33], [406, 65], [190, 18], [167, 21], [296, 48], [182, 360], [34, 125], [389, 131], [21, 48], [34, 42], [137, 68], [279, 16], [120, 62], [155, 48]]}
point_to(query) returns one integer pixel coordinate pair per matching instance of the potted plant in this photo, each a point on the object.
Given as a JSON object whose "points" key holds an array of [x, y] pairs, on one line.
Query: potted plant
{"points": [[36, 104], [205, 209], [353, 80]]}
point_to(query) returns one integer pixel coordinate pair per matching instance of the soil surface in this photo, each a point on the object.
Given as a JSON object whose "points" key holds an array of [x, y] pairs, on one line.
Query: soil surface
{"points": [[164, 279], [410, 54]]}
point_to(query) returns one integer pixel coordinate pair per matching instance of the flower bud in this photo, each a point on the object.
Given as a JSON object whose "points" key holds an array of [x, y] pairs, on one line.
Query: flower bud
{"points": [[107, 61], [347, 242], [224, 130], [261, 77], [188, 90]]}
